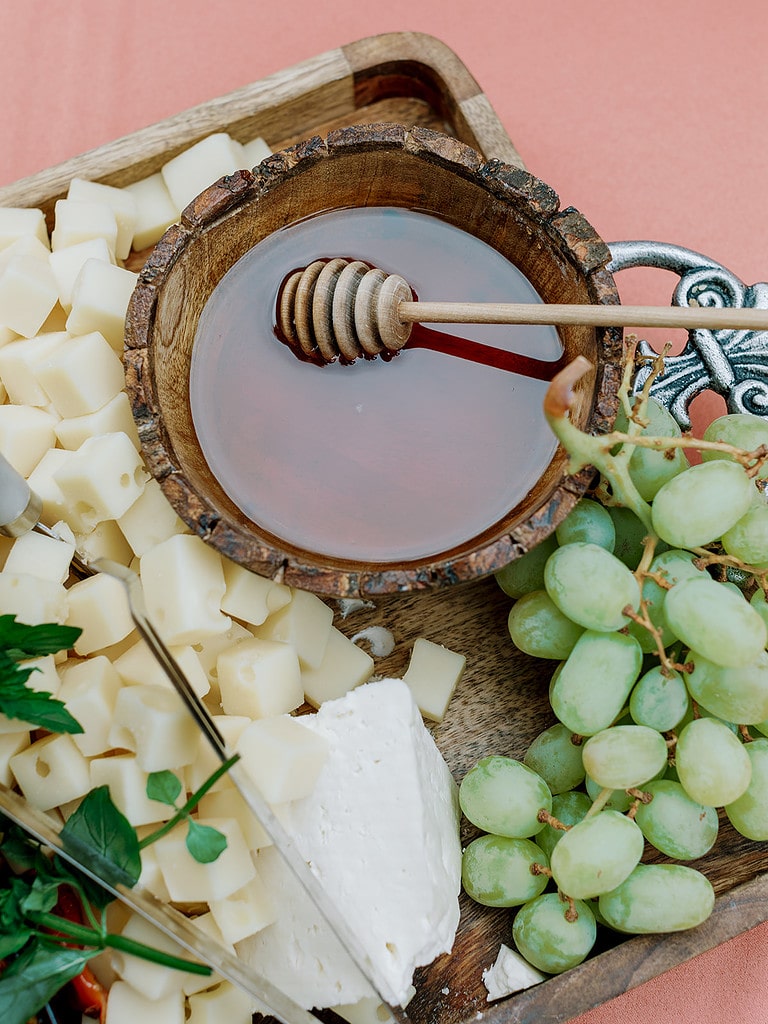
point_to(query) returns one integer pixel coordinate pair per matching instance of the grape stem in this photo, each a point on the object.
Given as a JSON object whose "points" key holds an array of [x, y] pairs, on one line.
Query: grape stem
{"points": [[549, 819], [599, 802]]}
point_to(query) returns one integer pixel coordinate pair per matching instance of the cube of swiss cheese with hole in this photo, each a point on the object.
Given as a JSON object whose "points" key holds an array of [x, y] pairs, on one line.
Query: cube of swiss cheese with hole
{"points": [[189, 881], [89, 690], [183, 586], [199, 166], [150, 520], [11, 743], [155, 210], [127, 782], [154, 723], [31, 599], [113, 417], [38, 555], [125, 1005], [51, 771], [19, 222], [206, 762], [282, 757], [305, 624], [121, 203], [432, 675], [226, 802], [77, 220], [245, 912], [98, 605], [82, 375], [28, 294], [251, 597], [100, 297], [25, 436], [259, 678], [101, 480], [223, 1003], [67, 263], [344, 666], [18, 367], [139, 666]]}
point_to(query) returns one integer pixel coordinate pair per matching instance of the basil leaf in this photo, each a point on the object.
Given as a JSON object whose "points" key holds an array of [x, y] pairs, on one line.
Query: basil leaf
{"points": [[205, 843], [35, 976], [163, 786], [42, 897], [21, 640], [103, 839], [14, 930], [36, 707]]}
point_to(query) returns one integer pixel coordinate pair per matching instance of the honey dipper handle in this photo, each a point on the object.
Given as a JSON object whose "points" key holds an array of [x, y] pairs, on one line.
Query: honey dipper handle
{"points": [[713, 318]]}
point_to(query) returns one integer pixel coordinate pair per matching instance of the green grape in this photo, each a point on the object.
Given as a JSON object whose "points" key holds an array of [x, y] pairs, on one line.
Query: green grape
{"points": [[625, 756], [659, 701], [749, 813], [733, 694], [701, 504], [758, 602], [748, 538], [496, 871], [568, 808], [593, 685], [619, 800], [741, 430], [591, 586], [673, 566], [589, 523], [659, 898], [596, 855], [548, 939], [630, 533], [504, 797], [526, 573], [650, 469], [676, 825], [556, 758], [712, 764], [538, 627], [715, 621]]}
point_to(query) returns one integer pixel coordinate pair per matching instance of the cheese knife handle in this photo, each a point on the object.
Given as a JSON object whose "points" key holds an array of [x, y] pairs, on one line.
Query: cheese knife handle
{"points": [[20, 507]]}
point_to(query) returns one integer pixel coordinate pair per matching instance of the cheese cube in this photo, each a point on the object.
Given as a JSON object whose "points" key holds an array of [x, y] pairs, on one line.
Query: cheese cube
{"points": [[183, 586], [227, 803], [11, 744], [199, 166], [282, 757], [41, 556], [101, 480], [81, 376], [223, 1003], [344, 666], [127, 782], [77, 220], [25, 435], [138, 666], [19, 222], [120, 202], [154, 723], [197, 983], [155, 210], [255, 151], [432, 675], [208, 649], [245, 912], [127, 1006], [98, 605], [42, 481], [28, 293], [205, 762], [51, 771], [369, 1010], [104, 541], [251, 597], [67, 263], [18, 367], [151, 877], [31, 599], [100, 298], [154, 981], [25, 246], [189, 881], [150, 520], [259, 678], [113, 417], [305, 624], [90, 690]]}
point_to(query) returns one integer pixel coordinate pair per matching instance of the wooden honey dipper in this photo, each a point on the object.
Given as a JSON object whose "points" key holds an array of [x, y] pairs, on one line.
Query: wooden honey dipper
{"points": [[339, 307]]}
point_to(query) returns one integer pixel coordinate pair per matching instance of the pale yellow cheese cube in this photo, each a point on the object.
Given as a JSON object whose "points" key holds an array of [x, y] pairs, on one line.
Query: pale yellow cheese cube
{"points": [[138, 666], [251, 597], [45, 676], [199, 166], [150, 520], [19, 222], [282, 757], [154, 980], [206, 762], [38, 555], [255, 151], [126, 1005], [67, 264], [259, 678], [18, 367], [226, 802], [101, 480], [43, 482], [27, 245], [26, 434], [89, 690], [77, 220], [119, 200], [81, 376], [28, 293], [432, 675], [98, 605], [51, 771], [127, 782], [113, 417], [189, 881], [105, 540], [344, 666], [225, 1003], [305, 624], [11, 743], [155, 210], [208, 649], [31, 599], [245, 912], [100, 298], [183, 586], [151, 877], [154, 723], [197, 983]]}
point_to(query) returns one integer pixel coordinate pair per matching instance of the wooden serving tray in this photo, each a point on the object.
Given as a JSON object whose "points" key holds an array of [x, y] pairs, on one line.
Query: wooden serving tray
{"points": [[501, 703]]}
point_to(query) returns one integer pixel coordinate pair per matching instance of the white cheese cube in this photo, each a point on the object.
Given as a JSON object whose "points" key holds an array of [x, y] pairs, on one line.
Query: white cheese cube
{"points": [[51, 771], [305, 624], [127, 782], [150, 520], [38, 555], [28, 293], [120, 201], [45, 676], [19, 222], [114, 417], [26, 434], [138, 666], [151, 877], [81, 376], [125, 1005], [370, 1010], [154, 723], [77, 220], [282, 756], [220, 1004], [227, 803], [206, 762], [194, 984], [208, 649], [11, 743], [199, 166], [105, 540], [18, 367], [153, 980], [259, 678], [101, 480], [432, 675], [27, 245], [90, 690], [43, 482], [245, 912], [98, 606], [67, 263], [189, 881], [31, 599], [344, 666], [255, 151], [251, 597], [155, 210], [100, 298], [183, 586]]}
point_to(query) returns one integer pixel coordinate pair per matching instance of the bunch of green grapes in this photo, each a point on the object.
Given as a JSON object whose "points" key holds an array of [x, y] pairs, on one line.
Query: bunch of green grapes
{"points": [[660, 693]]}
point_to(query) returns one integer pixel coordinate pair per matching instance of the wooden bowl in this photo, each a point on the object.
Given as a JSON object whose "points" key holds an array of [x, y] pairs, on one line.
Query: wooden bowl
{"points": [[372, 165]]}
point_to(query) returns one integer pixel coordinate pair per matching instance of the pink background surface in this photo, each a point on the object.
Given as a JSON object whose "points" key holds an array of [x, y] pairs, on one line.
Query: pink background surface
{"points": [[647, 116]]}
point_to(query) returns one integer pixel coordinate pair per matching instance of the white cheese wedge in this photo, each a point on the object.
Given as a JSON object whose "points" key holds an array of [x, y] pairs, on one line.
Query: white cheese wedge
{"points": [[380, 831], [510, 973]]}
